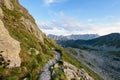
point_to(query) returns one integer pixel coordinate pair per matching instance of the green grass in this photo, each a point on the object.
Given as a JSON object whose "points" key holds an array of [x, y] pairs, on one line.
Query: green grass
{"points": [[115, 53], [12, 78], [68, 58], [59, 75], [31, 64], [71, 50]]}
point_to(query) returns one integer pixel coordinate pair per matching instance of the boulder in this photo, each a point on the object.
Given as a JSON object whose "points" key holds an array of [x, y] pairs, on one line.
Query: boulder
{"points": [[9, 47], [73, 72]]}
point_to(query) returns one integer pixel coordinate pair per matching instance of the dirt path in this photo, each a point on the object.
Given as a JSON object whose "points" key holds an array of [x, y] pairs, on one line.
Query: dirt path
{"points": [[45, 72]]}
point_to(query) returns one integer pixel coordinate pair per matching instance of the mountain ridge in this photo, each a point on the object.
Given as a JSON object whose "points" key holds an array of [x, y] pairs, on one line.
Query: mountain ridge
{"points": [[73, 36], [112, 39]]}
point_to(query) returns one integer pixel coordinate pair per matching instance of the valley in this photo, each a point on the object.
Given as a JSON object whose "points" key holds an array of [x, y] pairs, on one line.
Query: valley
{"points": [[101, 55], [105, 65], [27, 53]]}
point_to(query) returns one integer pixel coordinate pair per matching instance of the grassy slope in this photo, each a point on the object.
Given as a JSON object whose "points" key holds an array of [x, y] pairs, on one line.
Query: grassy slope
{"points": [[31, 64], [115, 53], [72, 60]]}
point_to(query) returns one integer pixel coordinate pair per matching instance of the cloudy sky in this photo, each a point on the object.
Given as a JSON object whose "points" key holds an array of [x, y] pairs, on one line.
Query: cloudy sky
{"points": [[64, 17]]}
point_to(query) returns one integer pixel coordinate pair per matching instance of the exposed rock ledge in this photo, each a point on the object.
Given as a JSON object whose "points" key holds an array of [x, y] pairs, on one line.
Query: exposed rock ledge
{"points": [[71, 72], [9, 48]]}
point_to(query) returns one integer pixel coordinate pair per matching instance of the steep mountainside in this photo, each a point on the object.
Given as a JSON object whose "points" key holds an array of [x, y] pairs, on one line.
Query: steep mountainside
{"points": [[22, 44], [74, 37], [103, 63], [24, 49], [101, 54]]}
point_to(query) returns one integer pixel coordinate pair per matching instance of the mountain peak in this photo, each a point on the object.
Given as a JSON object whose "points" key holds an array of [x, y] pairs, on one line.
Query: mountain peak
{"points": [[114, 34], [73, 36]]}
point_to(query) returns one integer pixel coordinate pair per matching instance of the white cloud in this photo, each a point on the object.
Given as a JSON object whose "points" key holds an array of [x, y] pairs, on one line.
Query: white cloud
{"points": [[90, 20], [55, 31], [48, 2], [103, 29], [64, 25], [44, 25]]}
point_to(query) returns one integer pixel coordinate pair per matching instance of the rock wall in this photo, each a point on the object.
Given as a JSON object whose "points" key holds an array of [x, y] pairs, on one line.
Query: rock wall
{"points": [[71, 72], [9, 48], [32, 28], [7, 3], [12, 14], [74, 73], [26, 20]]}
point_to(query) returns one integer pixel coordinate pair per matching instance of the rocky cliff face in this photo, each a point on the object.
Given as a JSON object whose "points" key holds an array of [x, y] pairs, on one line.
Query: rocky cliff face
{"points": [[21, 41], [23, 46], [26, 20], [12, 17], [7, 3], [74, 73], [9, 47]]}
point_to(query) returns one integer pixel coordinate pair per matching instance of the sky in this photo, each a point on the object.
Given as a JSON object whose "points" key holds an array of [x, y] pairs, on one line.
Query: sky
{"points": [[65, 17]]}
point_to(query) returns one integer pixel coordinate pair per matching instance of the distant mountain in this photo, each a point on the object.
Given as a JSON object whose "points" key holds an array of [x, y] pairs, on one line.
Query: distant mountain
{"points": [[74, 36], [101, 54], [109, 40]]}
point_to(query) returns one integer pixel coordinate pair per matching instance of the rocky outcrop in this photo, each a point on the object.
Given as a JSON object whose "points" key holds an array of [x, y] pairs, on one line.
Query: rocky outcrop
{"points": [[71, 72], [8, 4], [13, 15], [26, 20], [9, 48], [74, 73], [32, 28]]}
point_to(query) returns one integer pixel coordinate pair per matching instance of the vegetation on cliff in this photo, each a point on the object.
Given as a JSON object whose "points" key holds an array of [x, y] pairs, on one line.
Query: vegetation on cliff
{"points": [[36, 48]]}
